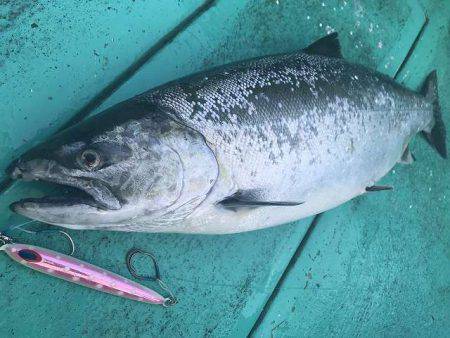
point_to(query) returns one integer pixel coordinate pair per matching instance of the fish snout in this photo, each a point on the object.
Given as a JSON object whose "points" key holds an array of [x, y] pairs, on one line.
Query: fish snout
{"points": [[20, 207], [15, 173], [14, 170], [27, 170]]}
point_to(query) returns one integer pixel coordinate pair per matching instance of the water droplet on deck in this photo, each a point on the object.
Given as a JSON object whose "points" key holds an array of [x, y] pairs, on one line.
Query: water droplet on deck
{"points": [[329, 29]]}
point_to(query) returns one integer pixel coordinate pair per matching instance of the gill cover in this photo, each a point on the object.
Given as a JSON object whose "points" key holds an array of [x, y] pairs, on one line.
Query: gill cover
{"points": [[157, 169]]}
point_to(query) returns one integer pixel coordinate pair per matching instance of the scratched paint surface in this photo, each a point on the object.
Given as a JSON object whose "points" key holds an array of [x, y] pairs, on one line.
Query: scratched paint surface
{"points": [[222, 281]]}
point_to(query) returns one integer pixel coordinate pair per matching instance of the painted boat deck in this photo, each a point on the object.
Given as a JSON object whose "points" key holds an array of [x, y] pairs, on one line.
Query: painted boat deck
{"points": [[375, 266]]}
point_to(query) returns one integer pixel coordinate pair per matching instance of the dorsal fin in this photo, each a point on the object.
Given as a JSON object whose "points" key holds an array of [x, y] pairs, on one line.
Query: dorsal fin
{"points": [[251, 199], [327, 46]]}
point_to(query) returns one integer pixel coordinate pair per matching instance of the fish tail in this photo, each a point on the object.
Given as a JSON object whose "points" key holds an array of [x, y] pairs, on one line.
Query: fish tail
{"points": [[435, 134]]}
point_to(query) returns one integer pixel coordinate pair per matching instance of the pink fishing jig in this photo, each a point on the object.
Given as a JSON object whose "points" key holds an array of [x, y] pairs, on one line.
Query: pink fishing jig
{"points": [[76, 271]]}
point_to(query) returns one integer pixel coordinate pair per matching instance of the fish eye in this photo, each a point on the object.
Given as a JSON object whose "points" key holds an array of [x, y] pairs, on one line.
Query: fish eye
{"points": [[89, 159]]}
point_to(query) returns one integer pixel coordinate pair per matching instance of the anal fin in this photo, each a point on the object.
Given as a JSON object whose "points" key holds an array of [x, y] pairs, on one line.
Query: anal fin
{"points": [[407, 157], [379, 188]]}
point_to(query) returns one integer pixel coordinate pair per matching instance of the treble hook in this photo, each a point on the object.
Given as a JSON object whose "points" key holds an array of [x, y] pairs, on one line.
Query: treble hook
{"points": [[169, 301]]}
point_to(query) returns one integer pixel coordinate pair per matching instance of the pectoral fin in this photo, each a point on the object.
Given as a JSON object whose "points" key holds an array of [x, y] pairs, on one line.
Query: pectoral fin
{"points": [[251, 199]]}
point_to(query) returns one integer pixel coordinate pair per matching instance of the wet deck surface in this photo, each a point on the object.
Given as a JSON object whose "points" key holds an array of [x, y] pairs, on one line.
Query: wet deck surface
{"points": [[378, 265]]}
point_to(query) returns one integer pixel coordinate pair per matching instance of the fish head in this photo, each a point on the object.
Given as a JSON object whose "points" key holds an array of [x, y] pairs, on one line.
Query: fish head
{"points": [[125, 164]]}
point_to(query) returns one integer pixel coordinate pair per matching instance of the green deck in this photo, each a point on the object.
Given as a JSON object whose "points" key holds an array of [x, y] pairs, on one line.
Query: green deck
{"points": [[377, 266]]}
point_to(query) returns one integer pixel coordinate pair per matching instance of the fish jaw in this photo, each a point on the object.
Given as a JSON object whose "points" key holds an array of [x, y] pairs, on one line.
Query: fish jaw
{"points": [[92, 198]]}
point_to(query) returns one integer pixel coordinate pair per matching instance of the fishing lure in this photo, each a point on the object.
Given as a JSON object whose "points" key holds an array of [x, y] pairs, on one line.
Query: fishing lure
{"points": [[76, 271]]}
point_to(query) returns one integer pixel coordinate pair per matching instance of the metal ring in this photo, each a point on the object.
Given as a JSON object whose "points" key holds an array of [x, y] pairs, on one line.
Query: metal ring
{"points": [[5, 239], [169, 301]]}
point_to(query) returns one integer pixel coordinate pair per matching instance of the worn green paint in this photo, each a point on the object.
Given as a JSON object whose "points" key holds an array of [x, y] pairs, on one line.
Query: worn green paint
{"points": [[223, 282], [380, 264]]}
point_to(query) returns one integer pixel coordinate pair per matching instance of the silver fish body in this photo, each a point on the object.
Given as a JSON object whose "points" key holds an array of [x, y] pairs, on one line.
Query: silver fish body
{"points": [[245, 146]]}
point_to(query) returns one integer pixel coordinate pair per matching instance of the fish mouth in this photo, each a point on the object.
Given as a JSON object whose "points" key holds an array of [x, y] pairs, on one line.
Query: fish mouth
{"points": [[80, 190]]}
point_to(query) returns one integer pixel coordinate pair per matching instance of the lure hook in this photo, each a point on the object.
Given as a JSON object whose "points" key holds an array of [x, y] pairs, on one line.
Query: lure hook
{"points": [[133, 252], [4, 239], [68, 237], [169, 301], [65, 234]]}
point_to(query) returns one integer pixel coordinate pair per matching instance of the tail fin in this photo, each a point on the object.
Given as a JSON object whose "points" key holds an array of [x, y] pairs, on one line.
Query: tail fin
{"points": [[436, 135]]}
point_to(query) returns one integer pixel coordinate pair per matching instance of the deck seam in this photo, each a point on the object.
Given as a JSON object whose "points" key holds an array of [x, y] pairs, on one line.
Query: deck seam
{"points": [[284, 275], [412, 47]]}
